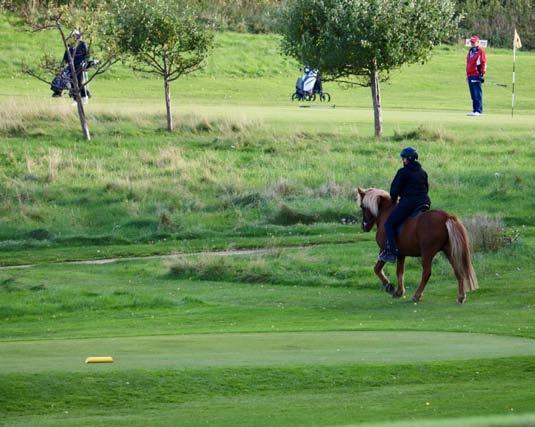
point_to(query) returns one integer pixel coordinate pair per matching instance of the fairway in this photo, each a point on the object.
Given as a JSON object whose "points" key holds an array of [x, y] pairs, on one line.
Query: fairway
{"points": [[223, 266]]}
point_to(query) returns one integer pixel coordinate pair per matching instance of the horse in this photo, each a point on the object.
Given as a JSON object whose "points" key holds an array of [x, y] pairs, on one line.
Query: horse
{"points": [[422, 236]]}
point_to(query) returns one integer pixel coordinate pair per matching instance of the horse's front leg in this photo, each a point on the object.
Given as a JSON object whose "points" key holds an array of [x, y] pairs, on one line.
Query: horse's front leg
{"points": [[400, 272], [378, 269]]}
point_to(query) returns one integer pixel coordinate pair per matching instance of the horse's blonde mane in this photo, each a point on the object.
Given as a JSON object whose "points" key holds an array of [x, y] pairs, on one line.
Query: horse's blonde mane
{"points": [[371, 199]]}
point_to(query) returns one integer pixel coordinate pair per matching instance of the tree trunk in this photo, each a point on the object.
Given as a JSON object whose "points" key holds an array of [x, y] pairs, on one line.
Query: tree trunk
{"points": [[83, 118], [376, 98], [78, 98], [168, 104]]}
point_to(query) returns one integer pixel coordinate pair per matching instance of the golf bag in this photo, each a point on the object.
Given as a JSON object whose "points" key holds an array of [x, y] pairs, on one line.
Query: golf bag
{"points": [[63, 81], [308, 85]]}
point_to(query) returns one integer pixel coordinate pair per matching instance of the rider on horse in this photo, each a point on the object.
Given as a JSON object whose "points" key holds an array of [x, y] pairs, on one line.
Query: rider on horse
{"points": [[410, 185]]}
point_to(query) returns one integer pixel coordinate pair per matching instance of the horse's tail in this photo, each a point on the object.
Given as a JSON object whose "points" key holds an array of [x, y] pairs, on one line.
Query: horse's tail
{"points": [[460, 253]]}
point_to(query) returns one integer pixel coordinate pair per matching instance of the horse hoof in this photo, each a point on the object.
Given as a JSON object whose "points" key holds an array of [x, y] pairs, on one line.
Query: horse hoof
{"points": [[416, 298], [398, 294], [389, 288], [461, 300]]}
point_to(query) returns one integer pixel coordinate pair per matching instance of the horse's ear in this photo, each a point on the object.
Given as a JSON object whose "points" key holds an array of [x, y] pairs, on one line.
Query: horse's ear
{"points": [[360, 193]]}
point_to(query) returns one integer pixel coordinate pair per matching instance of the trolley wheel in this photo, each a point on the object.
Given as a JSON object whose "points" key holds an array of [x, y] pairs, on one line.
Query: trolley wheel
{"points": [[295, 97], [325, 97]]}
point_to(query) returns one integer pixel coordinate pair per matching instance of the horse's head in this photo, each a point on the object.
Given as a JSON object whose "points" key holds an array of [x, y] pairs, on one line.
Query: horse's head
{"points": [[369, 201]]}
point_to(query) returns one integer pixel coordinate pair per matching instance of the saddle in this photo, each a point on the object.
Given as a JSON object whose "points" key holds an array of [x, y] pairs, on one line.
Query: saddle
{"points": [[419, 210]]}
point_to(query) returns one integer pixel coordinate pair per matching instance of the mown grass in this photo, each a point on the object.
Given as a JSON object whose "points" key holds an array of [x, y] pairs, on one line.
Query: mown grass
{"points": [[315, 289], [363, 392]]}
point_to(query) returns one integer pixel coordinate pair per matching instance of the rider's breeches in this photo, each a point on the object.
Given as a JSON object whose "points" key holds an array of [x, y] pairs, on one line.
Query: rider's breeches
{"points": [[396, 218]]}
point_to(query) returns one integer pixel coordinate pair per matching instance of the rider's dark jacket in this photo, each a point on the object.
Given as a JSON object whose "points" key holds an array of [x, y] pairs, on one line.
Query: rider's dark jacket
{"points": [[411, 186]]}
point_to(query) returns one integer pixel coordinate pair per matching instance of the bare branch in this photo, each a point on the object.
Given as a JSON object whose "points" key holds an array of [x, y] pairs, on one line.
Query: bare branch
{"points": [[152, 60], [101, 69], [347, 82], [42, 27], [185, 70], [32, 73], [147, 71]]}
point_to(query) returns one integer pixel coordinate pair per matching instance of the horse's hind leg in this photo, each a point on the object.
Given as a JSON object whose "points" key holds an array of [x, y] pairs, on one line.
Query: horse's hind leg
{"points": [[427, 261], [400, 271], [378, 269], [461, 295]]}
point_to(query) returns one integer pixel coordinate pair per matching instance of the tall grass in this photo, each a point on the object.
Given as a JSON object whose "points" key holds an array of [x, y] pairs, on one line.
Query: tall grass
{"points": [[224, 172], [488, 233], [57, 118], [271, 269], [30, 119]]}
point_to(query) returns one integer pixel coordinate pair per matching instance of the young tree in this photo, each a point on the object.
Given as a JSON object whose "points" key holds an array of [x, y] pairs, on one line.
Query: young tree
{"points": [[359, 42], [89, 18], [163, 38]]}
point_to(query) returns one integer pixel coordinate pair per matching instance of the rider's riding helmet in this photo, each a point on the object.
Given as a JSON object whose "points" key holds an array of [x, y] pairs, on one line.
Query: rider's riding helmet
{"points": [[409, 153]]}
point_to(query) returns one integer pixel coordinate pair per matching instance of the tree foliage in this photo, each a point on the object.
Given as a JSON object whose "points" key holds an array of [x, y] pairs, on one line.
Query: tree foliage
{"points": [[361, 41], [163, 38], [496, 20], [351, 38]]}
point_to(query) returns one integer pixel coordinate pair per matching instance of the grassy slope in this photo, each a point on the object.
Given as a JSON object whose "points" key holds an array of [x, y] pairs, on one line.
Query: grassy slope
{"points": [[249, 70], [241, 152]]}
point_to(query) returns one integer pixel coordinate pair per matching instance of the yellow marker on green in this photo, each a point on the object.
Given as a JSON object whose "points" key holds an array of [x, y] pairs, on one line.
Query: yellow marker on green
{"points": [[94, 359]]}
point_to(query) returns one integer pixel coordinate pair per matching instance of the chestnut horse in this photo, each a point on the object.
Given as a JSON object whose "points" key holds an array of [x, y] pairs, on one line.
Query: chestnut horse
{"points": [[423, 236]]}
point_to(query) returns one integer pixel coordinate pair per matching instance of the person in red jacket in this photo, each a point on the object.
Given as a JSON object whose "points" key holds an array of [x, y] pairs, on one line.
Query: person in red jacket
{"points": [[476, 65]]}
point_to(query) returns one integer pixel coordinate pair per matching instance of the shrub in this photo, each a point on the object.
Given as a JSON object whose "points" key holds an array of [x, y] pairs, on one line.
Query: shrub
{"points": [[488, 234], [288, 216], [423, 133]]}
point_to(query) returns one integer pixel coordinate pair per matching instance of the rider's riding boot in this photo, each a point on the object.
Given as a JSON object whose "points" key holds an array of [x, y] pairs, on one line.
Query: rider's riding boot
{"points": [[388, 255]]}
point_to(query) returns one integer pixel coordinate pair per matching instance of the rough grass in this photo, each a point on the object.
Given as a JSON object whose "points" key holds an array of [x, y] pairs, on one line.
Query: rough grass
{"points": [[134, 187]]}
